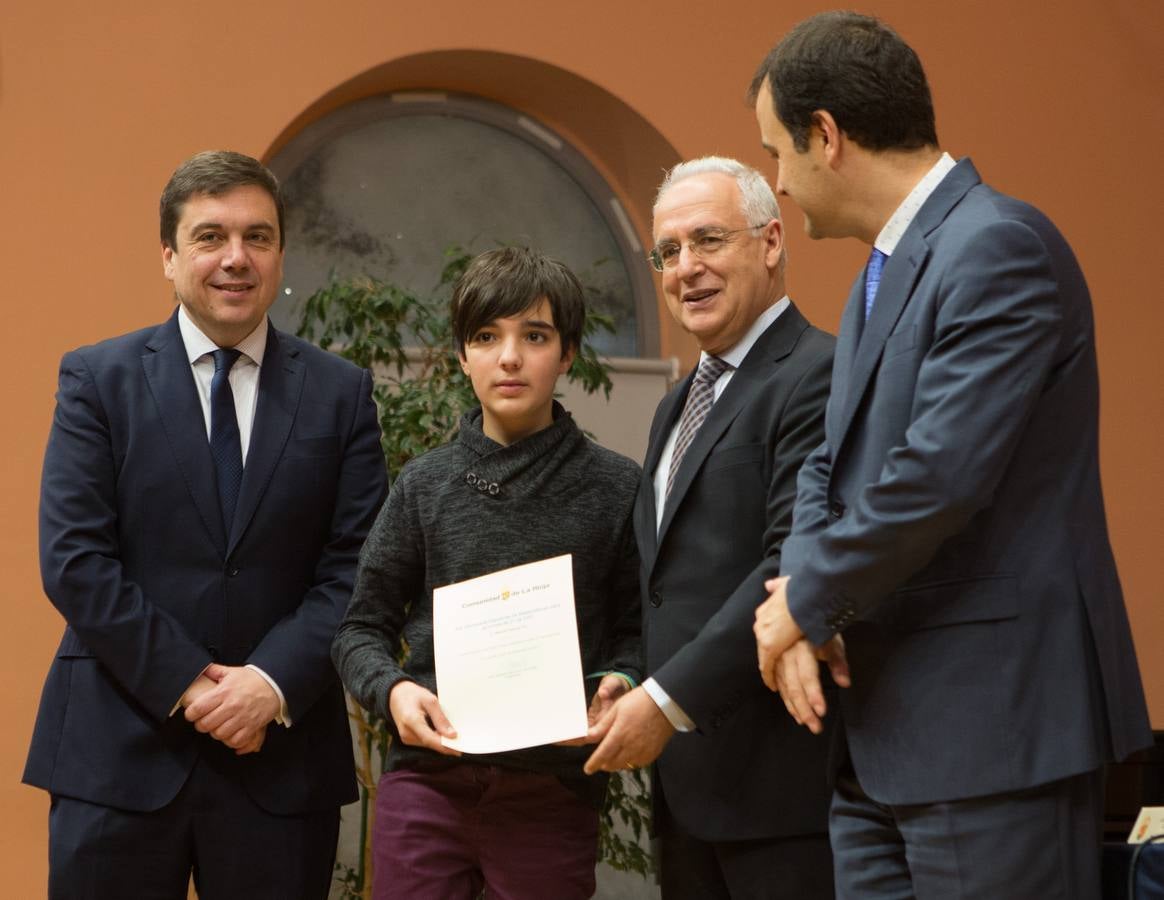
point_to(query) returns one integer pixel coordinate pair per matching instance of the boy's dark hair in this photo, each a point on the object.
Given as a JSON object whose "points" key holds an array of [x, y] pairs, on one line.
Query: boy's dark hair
{"points": [[213, 172], [508, 281], [859, 70]]}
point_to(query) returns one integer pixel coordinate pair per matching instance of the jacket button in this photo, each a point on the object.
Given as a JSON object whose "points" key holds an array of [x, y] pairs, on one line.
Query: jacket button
{"points": [[656, 599], [233, 571], [836, 509]]}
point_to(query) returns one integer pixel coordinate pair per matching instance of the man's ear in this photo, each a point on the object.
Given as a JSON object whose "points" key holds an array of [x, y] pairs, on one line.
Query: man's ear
{"points": [[773, 235], [826, 130], [168, 261]]}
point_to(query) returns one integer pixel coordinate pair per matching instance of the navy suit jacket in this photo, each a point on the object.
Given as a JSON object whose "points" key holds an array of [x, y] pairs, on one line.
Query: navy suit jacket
{"points": [[952, 523], [748, 771], [135, 557]]}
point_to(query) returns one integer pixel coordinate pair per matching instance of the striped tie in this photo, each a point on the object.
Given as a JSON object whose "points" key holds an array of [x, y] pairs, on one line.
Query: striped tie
{"points": [[699, 400]]}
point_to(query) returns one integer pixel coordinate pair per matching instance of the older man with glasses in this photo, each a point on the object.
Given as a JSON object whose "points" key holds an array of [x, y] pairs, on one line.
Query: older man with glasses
{"points": [[740, 793]]}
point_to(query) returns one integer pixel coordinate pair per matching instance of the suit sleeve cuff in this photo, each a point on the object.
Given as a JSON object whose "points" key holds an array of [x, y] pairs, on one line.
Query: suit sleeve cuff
{"points": [[178, 703], [284, 717], [679, 720]]}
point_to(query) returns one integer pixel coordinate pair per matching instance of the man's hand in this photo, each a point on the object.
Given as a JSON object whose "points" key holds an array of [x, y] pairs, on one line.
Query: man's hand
{"points": [[775, 629], [633, 732], [237, 709], [792, 668], [419, 717], [200, 686], [255, 744]]}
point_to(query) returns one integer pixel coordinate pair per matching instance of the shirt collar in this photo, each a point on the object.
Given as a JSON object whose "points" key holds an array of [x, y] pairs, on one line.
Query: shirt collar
{"points": [[901, 219], [253, 346], [736, 354]]}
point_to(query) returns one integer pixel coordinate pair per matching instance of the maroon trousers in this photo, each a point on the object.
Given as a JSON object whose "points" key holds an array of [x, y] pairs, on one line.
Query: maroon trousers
{"points": [[447, 833]]}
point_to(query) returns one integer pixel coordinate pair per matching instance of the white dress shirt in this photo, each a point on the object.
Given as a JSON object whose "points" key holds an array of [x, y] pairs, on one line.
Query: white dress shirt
{"points": [[244, 385], [733, 357], [890, 235]]}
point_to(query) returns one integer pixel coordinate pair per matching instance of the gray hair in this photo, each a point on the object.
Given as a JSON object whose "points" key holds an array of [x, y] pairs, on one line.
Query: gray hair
{"points": [[758, 202]]}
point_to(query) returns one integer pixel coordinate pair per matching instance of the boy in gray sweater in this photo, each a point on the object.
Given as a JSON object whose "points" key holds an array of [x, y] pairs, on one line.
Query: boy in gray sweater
{"points": [[518, 483]]}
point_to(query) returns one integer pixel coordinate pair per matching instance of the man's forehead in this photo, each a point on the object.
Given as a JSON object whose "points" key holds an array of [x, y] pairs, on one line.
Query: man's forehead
{"points": [[697, 203], [247, 201]]}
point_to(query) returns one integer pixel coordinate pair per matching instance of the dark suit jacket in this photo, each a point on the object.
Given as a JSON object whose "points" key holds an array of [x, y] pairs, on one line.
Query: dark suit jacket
{"points": [[952, 524], [748, 771], [134, 557]]}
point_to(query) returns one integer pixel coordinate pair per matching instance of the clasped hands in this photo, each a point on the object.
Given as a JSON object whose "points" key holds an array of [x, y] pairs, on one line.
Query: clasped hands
{"points": [[788, 662], [233, 704]]}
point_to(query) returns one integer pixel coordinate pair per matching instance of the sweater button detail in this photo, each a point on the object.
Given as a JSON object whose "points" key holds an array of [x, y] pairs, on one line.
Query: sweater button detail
{"points": [[494, 489], [471, 479]]}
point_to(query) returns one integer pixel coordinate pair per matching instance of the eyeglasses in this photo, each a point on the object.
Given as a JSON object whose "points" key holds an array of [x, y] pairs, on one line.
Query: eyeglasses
{"points": [[703, 245]]}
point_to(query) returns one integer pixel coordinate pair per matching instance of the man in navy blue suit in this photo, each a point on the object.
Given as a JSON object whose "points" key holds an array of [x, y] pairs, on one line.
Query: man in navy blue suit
{"points": [[207, 487], [951, 526]]}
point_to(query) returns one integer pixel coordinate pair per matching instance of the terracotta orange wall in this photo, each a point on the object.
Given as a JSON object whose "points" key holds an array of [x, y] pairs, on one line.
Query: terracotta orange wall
{"points": [[98, 104]]}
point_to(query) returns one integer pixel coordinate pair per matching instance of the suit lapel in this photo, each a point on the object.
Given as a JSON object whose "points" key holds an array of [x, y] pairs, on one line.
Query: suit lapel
{"points": [[665, 417], [280, 386], [171, 383], [897, 281], [864, 346], [772, 346]]}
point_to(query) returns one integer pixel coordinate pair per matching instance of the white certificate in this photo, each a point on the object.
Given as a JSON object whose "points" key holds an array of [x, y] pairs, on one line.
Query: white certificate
{"points": [[508, 667]]}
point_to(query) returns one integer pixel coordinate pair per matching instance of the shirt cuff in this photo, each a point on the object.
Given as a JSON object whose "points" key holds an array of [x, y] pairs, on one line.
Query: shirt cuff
{"points": [[284, 717], [679, 720]]}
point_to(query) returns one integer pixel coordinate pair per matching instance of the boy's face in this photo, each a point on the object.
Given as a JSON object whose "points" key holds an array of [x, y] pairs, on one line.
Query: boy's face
{"points": [[514, 364]]}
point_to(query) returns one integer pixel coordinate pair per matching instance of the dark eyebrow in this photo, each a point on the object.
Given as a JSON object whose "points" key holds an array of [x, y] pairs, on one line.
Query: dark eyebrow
{"points": [[218, 226], [538, 323]]}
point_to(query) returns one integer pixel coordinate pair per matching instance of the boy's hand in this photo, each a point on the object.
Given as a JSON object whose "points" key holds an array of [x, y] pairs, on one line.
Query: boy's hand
{"points": [[610, 688], [419, 717]]}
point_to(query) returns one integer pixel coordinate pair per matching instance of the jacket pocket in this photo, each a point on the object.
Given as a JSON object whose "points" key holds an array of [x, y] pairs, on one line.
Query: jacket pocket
{"points": [[312, 447], [739, 455], [899, 342], [986, 599]]}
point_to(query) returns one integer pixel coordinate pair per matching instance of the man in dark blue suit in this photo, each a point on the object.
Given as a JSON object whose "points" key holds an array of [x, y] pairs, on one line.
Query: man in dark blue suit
{"points": [[206, 489], [951, 526]]}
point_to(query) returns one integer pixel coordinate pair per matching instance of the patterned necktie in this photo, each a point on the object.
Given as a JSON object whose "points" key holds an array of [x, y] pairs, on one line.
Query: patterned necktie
{"points": [[873, 278], [225, 445], [699, 400]]}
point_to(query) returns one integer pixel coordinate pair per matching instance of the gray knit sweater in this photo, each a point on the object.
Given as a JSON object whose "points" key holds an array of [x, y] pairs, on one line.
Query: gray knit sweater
{"points": [[472, 507]]}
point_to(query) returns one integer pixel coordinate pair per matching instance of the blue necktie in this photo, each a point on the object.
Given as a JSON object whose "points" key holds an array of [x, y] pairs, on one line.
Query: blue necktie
{"points": [[873, 278], [225, 445]]}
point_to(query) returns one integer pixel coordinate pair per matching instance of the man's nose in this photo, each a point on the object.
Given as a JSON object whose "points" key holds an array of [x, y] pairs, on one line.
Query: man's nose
{"points": [[234, 254], [689, 263]]}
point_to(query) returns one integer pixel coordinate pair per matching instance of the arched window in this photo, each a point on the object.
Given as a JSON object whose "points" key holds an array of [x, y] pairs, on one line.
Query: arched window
{"points": [[385, 185]]}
